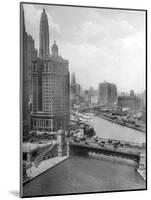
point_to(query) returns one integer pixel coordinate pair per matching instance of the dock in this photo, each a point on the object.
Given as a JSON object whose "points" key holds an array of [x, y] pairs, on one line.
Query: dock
{"points": [[45, 165]]}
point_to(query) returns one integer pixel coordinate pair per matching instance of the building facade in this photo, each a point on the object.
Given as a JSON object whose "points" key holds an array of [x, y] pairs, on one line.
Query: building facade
{"points": [[75, 92], [31, 54], [93, 96], [50, 74], [129, 101], [107, 93], [28, 53]]}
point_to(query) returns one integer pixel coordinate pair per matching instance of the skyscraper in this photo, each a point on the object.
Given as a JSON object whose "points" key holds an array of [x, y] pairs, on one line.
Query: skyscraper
{"points": [[44, 36], [73, 80], [73, 86], [24, 74], [28, 53], [50, 85], [31, 54], [107, 93], [74, 91]]}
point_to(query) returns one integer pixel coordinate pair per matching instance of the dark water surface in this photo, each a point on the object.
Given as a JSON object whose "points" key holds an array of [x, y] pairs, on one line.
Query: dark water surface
{"points": [[82, 174]]}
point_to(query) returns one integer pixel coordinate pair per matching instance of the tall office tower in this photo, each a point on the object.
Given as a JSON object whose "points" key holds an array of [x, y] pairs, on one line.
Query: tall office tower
{"points": [[28, 53], [24, 74], [107, 93], [73, 90], [44, 36], [50, 85], [73, 86], [31, 54], [73, 80]]}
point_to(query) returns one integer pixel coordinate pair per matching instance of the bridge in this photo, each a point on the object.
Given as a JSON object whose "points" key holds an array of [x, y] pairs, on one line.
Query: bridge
{"points": [[131, 152], [92, 107]]}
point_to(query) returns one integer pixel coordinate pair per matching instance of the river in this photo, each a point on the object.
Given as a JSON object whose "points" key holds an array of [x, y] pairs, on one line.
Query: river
{"points": [[83, 174], [107, 129]]}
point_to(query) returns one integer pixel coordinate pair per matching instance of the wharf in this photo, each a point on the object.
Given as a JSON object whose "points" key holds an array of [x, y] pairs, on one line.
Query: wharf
{"points": [[45, 165]]}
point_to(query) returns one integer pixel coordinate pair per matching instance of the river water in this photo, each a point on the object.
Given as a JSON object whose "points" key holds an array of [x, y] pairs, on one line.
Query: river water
{"points": [[107, 129], [82, 174]]}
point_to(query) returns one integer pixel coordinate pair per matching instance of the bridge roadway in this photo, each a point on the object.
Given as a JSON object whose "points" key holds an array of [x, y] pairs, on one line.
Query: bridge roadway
{"points": [[130, 152]]}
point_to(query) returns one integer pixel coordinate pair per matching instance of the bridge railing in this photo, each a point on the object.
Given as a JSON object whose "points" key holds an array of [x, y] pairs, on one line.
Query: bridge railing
{"points": [[105, 148], [121, 141]]}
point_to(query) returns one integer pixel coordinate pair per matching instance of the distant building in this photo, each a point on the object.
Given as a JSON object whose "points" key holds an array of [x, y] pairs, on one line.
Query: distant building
{"points": [[130, 101], [94, 100], [75, 91], [131, 93], [78, 89], [86, 96], [73, 87], [142, 97], [107, 93], [50, 85], [93, 96], [73, 80]]}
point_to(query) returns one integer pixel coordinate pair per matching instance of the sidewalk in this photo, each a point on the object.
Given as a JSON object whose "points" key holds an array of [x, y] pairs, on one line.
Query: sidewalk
{"points": [[34, 171]]}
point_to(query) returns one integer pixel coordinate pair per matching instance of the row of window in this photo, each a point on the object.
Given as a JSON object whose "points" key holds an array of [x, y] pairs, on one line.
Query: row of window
{"points": [[43, 123], [47, 123], [49, 67]]}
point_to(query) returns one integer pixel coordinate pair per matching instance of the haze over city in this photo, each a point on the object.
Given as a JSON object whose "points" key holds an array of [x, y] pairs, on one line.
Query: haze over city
{"points": [[100, 44]]}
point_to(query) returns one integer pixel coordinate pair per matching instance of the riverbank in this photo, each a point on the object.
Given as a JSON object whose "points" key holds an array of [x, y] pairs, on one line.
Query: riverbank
{"points": [[113, 159], [126, 125], [124, 161], [43, 166]]}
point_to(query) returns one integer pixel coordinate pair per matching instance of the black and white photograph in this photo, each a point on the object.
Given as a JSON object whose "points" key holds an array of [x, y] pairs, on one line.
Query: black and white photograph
{"points": [[83, 99]]}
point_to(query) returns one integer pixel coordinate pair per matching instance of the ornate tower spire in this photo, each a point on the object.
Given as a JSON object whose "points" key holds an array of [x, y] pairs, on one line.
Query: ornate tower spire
{"points": [[44, 36], [55, 49]]}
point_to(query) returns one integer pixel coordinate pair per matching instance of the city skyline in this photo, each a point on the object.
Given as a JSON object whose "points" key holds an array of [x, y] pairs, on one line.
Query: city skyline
{"points": [[72, 112], [100, 44]]}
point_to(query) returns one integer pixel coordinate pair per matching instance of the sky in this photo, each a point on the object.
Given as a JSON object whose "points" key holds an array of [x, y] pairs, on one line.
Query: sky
{"points": [[100, 44]]}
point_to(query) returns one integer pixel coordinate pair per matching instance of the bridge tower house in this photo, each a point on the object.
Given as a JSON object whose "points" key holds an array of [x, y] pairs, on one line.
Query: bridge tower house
{"points": [[62, 143]]}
